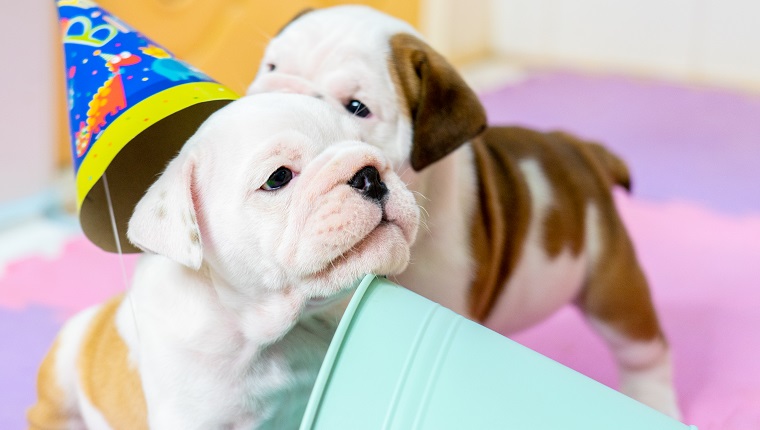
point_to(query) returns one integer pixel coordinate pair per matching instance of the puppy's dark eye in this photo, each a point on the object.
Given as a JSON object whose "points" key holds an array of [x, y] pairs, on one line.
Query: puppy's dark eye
{"points": [[355, 107], [271, 67], [278, 179]]}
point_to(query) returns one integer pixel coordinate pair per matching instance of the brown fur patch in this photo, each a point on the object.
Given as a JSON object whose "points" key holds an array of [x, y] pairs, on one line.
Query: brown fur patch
{"points": [[50, 410], [445, 113], [578, 173], [499, 227], [109, 380], [573, 183], [617, 292]]}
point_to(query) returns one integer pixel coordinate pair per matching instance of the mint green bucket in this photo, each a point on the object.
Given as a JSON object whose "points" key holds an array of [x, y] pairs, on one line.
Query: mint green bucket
{"points": [[399, 361]]}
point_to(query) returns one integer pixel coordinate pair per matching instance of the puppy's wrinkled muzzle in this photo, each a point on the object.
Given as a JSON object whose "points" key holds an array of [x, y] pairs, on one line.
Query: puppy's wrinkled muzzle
{"points": [[353, 216], [367, 182]]}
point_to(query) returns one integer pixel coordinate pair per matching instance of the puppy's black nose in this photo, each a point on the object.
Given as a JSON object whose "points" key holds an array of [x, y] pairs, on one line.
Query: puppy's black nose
{"points": [[367, 181]]}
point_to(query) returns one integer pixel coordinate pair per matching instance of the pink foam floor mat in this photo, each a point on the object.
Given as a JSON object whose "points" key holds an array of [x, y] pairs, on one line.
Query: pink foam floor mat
{"points": [[694, 218]]}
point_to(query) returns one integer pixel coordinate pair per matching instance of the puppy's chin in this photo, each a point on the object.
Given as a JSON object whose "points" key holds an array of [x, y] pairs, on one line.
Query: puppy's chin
{"points": [[384, 251]]}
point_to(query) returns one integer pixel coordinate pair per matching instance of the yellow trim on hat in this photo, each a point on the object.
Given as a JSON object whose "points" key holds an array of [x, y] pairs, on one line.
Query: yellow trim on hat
{"points": [[136, 120]]}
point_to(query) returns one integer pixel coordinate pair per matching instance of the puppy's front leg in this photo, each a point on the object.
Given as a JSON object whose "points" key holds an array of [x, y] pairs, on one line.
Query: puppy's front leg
{"points": [[185, 389], [188, 380]]}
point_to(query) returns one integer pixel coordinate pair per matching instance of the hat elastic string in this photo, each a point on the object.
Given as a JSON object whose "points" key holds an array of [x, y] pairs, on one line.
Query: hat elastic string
{"points": [[121, 256]]}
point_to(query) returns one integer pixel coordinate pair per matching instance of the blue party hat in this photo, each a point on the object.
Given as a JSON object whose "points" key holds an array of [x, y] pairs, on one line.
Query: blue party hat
{"points": [[132, 105]]}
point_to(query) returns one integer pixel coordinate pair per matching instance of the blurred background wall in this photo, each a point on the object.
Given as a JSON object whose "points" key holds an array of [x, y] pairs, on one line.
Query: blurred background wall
{"points": [[27, 95], [703, 42], [713, 42]]}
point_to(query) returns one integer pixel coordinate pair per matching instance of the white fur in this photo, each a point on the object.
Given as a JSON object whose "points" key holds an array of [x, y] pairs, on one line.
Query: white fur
{"points": [[645, 368], [341, 54], [441, 268], [214, 323]]}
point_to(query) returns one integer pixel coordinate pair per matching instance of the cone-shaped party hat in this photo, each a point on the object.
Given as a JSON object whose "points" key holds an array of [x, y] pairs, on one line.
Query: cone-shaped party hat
{"points": [[132, 106]]}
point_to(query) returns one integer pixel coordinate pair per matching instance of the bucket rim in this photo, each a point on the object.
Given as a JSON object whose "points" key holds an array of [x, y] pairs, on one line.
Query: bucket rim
{"points": [[325, 371]]}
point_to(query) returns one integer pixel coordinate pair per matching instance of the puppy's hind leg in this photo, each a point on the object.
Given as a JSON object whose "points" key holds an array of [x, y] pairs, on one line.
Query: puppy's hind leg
{"points": [[57, 406], [617, 303], [49, 412]]}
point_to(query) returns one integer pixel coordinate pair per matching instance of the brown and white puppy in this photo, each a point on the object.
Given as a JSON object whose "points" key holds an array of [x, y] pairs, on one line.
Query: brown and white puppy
{"points": [[265, 219], [519, 223]]}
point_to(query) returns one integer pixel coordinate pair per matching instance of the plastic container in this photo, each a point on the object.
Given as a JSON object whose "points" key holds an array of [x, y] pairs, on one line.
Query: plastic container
{"points": [[400, 361]]}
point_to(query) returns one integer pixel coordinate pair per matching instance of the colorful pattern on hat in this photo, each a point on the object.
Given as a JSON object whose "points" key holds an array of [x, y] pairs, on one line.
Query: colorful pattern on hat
{"points": [[109, 68]]}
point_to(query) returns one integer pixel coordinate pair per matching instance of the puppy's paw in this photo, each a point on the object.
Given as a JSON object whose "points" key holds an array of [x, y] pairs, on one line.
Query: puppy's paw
{"points": [[651, 390]]}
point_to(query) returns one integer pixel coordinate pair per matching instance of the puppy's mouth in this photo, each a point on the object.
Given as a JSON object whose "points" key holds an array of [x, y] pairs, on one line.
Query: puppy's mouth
{"points": [[360, 247], [347, 281]]}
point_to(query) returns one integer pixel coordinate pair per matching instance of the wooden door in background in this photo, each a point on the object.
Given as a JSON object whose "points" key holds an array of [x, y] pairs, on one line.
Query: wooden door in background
{"points": [[224, 38]]}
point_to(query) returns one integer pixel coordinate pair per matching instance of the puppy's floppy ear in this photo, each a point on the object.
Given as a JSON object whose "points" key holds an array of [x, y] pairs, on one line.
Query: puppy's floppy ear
{"points": [[445, 112], [164, 221], [298, 15]]}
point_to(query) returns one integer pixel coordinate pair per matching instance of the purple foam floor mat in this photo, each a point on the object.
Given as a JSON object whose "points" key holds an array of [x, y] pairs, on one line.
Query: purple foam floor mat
{"points": [[25, 337]]}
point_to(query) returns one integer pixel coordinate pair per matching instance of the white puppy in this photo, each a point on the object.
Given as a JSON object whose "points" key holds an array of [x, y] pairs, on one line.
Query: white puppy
{"points": [[270, 212], [519, 223]]}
